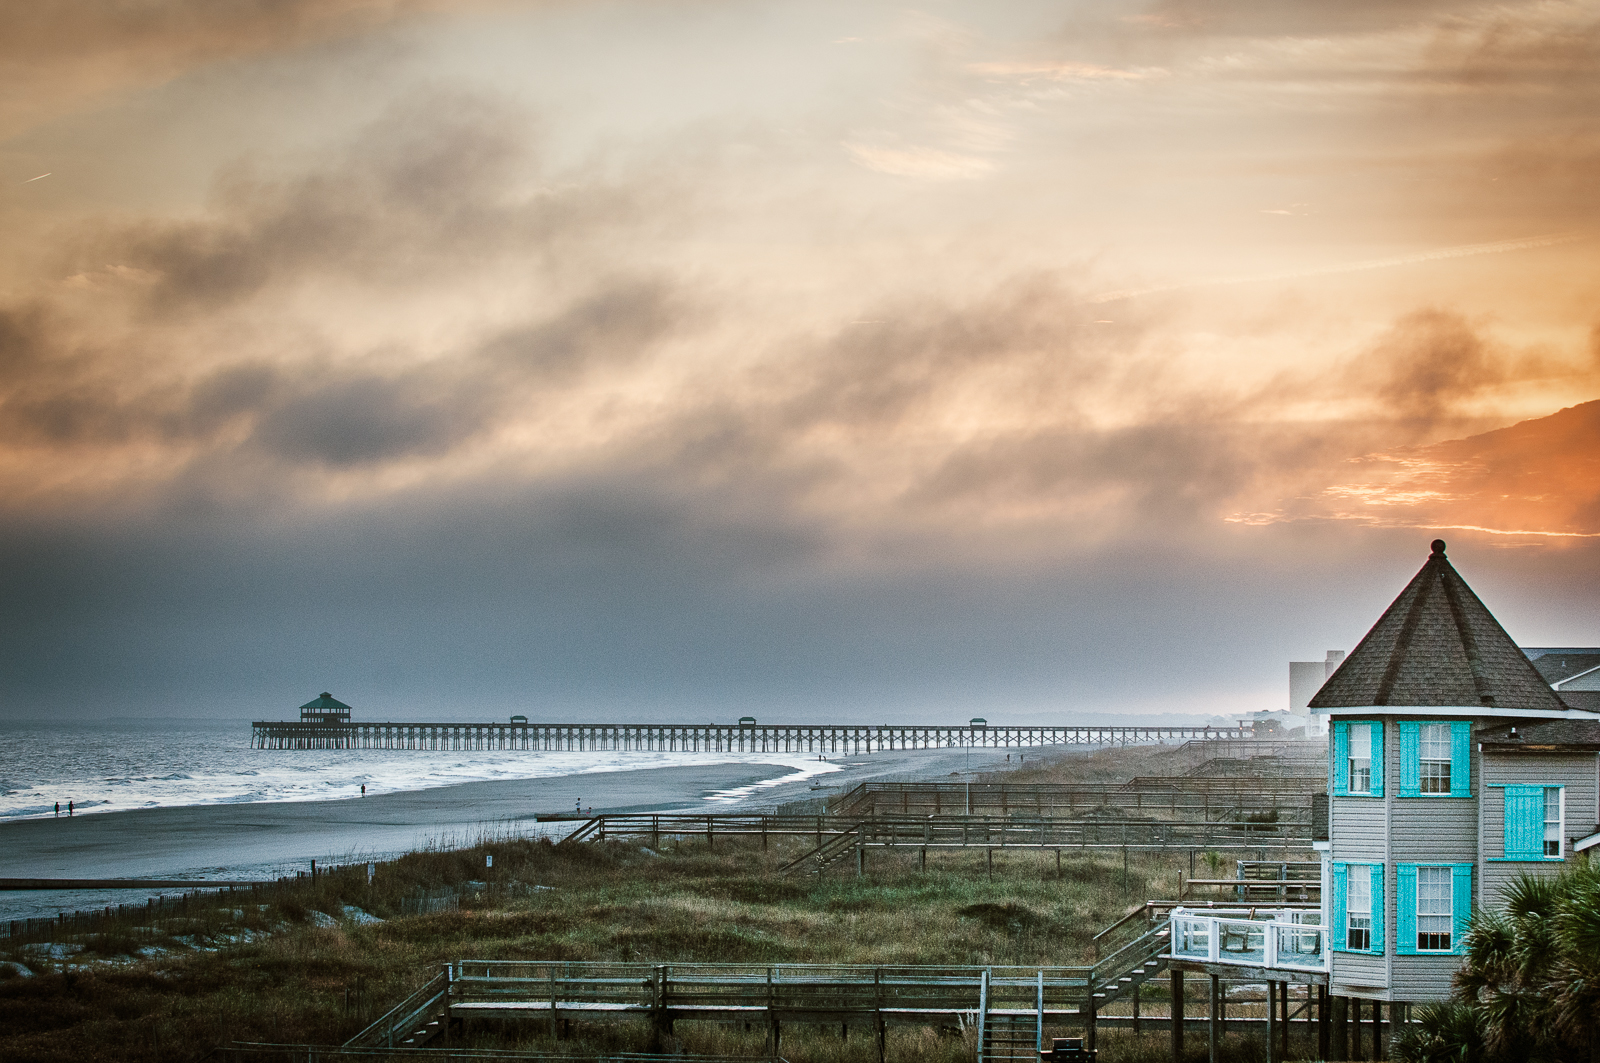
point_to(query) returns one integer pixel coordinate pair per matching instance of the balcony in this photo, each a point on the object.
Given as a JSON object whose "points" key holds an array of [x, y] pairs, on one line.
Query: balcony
{"points": [[1283, 940]]}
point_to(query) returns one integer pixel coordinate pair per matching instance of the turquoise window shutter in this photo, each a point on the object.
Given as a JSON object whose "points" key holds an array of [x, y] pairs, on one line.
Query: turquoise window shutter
{"points": [[1340, 924], [1377, 908], [1460, 904], [1341, 758], [1377, 758], [1405, 909], [1410, 757], [1461, 758], [1524, 830]]}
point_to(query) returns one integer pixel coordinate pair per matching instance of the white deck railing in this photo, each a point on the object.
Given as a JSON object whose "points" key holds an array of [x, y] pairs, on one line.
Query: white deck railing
{"points": [[1280, 942]]}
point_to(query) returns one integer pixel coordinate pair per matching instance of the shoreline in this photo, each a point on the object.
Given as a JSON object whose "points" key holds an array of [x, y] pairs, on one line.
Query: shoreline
{"points": [[260, 840]]}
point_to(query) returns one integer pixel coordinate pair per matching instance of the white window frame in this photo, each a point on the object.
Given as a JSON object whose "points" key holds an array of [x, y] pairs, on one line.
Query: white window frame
{"points": [[1351, 913], [1560, 822], [1447, 873], [1429, 778], [1360, 734]]}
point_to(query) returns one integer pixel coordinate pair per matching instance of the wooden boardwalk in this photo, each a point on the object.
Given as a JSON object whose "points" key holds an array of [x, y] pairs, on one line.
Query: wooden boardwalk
{"points": [[837, 839], [872, 998], [1178, 797], [836, 739], [1012, 1009]]}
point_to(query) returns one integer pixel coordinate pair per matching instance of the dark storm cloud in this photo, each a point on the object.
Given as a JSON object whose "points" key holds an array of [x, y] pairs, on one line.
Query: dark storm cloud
{"points": [[440, 186], [445, 191], [366, 420], [334, 415], [1426, 363], [345, 419]]}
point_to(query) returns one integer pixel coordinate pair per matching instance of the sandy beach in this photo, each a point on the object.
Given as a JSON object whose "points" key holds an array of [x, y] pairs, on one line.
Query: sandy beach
{"points": [[266, 839]]}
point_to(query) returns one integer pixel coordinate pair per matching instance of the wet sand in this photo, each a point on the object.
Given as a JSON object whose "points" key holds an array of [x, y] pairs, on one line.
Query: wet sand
{"points": [[267, 839]]}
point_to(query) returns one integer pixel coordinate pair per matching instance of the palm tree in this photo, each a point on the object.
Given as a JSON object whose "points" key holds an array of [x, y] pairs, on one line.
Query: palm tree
{"points": [[1529, 985]]}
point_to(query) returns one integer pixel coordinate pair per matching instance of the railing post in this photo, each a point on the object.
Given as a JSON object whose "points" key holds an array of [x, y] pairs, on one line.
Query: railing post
{"points": [[877, 1000], [449, 985], [1039, 1026], [1177, 1013], [1215, 1029], [554, 1029], [983, 1009], [1272, 1022]]}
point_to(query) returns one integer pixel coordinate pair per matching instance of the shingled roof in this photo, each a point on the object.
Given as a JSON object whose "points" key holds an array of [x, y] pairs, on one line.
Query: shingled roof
{"points": [[1543, 736], [1437, 645]]}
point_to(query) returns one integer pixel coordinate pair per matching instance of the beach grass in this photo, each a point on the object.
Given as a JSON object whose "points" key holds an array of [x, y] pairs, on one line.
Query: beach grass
{"points": [[265, 971], [295, 963]]}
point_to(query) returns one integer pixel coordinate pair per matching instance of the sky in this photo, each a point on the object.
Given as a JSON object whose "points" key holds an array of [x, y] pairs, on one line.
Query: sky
{"points": [[809, 360]]}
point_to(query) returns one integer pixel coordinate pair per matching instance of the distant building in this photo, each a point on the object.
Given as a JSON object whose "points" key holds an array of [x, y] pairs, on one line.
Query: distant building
{"points": [[326, 709], [1455, 767], [1306, 678], [1572, 672]]}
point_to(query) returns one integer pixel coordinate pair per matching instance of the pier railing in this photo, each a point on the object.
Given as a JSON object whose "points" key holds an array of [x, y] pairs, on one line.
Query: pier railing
{"points": [[837, 739]]}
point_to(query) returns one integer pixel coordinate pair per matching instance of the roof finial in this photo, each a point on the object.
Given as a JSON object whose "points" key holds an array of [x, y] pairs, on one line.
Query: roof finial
{"points": [[1438, 547]]}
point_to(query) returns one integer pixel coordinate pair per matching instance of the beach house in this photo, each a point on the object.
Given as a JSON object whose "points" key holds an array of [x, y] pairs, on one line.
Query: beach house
{"points": [[1454, 768]]}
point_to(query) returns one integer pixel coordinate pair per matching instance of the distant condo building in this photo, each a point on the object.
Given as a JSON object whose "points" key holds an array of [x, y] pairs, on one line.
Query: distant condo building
{"points": [[1306, 678]]}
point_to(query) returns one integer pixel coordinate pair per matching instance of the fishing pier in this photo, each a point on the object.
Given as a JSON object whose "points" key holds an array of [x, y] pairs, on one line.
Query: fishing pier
{"points": [[744, 737]]}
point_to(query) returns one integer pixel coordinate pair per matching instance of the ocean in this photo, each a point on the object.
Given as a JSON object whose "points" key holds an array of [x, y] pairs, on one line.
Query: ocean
{"points": [[121, 765]]}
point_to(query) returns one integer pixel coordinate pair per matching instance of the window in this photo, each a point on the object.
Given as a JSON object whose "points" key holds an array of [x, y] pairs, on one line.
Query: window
{"points": [[1552, 821], [1434, 760], [1434, 914], [1361, 759], [1356, 920], [1432, 905], [1533, 823], [1357, 753], [1358, 914]]}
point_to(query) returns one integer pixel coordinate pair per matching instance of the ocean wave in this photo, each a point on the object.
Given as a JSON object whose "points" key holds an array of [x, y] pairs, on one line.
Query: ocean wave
{"points": [[176, 770]]}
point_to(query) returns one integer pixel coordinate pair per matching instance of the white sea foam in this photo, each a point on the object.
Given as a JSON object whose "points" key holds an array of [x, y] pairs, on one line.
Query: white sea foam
{"points": [[130, 766]]}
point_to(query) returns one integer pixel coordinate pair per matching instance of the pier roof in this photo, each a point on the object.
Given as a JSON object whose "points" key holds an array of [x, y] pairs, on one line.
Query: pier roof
{"points": [[326, 702], [1437, 644]]}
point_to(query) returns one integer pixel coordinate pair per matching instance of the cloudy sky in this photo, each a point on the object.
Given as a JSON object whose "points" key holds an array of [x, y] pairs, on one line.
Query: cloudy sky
{"points": [[809, 359]]}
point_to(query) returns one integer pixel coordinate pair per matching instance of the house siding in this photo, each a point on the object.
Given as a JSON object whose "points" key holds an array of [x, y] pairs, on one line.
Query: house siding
{"points": [[1422, 979], [1440, 830], [1393, 830], [1574, 771], [1355, 975], [1359, 829]]}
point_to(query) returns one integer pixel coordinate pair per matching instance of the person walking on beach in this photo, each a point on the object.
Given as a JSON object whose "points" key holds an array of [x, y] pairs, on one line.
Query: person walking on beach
{"points": [[363, 789], [69, 809], [58, 809]]}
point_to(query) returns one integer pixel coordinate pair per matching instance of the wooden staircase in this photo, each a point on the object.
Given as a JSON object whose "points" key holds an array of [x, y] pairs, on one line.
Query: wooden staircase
{"points": [[1010, 1036], [1132, 965], [413, 1022]]}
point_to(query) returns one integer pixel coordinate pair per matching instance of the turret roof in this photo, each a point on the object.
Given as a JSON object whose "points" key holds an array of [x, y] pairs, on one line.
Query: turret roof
{"points": [[1437, 645], [328, 702]]}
